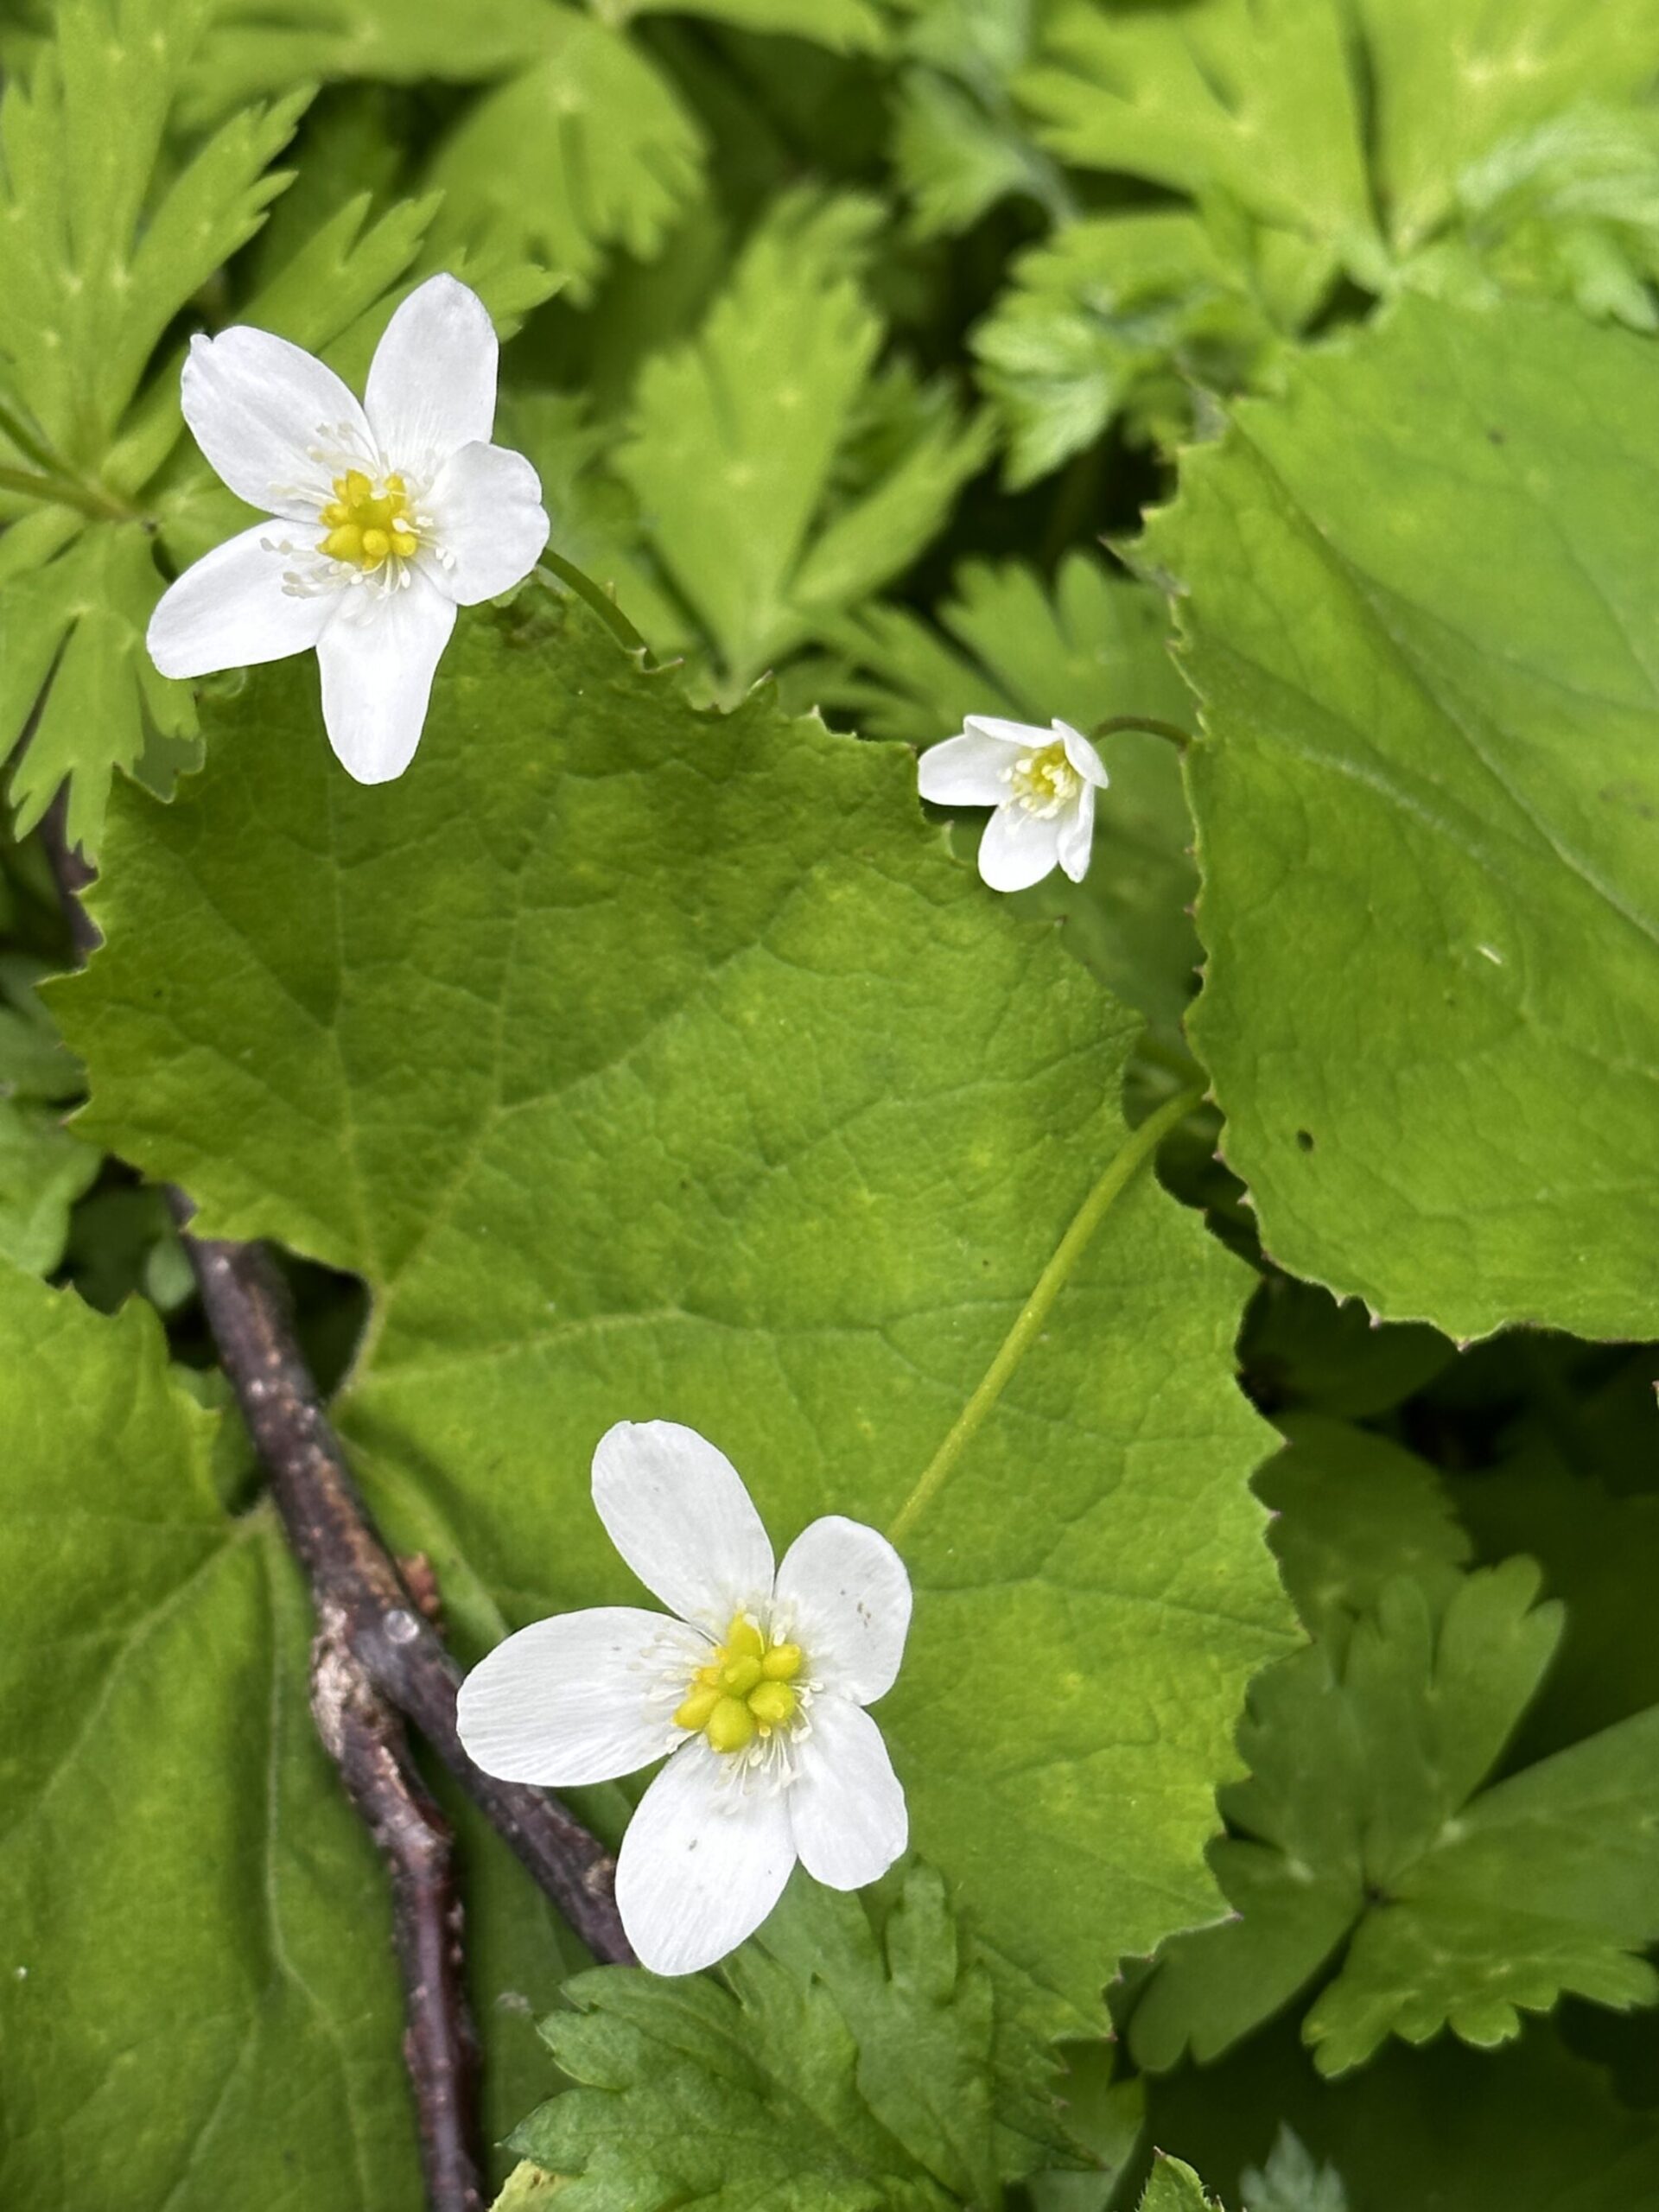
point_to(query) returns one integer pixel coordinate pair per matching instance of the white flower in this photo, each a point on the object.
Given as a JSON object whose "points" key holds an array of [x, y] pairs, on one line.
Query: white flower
{"points": [[1042, 782], [758, 1689], [382, 518]]}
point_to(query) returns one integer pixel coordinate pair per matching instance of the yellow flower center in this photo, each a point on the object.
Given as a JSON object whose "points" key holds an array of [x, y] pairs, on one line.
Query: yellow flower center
{"points": [[1043, 782], [744, 1691], [365, 527]]}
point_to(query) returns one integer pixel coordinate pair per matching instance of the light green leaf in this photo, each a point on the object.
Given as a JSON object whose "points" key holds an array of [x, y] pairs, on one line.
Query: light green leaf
{"points": [[1254, 97], [589, 150], [1124, 315], [262, 46], [1364, 1822], [736, 440], [1426, 812], [197, 1946], [1094, 647], [737, 1100], [1453, 78], [1173, 2187], [954, 159], [851, 2061], [44, 1170]]}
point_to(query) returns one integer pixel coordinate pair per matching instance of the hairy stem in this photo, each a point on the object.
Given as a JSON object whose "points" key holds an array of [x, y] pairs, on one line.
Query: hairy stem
{"points": [[1137, 1148], [366, 1739]]}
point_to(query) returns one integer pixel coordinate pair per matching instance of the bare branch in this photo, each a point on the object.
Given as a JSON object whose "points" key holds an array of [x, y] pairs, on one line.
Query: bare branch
{"points": [[366, 1739], [352, 1575]]}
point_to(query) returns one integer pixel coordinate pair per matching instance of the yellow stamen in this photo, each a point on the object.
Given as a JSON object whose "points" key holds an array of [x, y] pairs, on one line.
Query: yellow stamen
{"points": [[365, 527], [742, 1691], [731, 1725], [1044, 781]]}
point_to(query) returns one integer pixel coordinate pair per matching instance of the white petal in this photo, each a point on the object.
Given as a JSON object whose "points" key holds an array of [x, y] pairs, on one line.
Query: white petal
{"points": [[274, 422], [844, 1597], [846, 1805], [679, 1514], [432, 386], [1077, 828], [1019, 847], [965, 771], [378, 657], [230, 610], [704, 1862], [584, 1697], [1006, 733], [1083, 756], [486, 506]]}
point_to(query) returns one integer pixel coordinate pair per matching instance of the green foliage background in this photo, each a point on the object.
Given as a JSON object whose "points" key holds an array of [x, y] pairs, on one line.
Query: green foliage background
{"points": [[1281, 1723]]}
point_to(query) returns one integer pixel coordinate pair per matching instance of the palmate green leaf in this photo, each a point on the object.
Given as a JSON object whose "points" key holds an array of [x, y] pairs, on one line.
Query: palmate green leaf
{"points": [[1427, 812], [1453, 79], [44, 1170], [850, 2061], [1124, 315], [197, 1986], [1302, 1350], [1094, 647], [736, 1100], [736, 440], [1252, 97], [1524, 2129], [1364, 1822], [587, 149], [1292, 2180], [844, 26]]}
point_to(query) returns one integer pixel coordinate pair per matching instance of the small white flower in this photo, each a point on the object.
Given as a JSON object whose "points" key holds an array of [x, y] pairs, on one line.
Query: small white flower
{"points": [[758, 1690], [1042, 782], [382, 518]]}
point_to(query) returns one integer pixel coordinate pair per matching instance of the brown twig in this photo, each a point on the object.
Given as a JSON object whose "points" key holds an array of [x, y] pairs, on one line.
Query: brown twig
{"points": [[365, 1740], [352, 1575]]}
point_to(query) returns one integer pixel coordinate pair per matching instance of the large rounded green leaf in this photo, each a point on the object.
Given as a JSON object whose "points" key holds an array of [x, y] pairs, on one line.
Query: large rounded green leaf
{"points": [[1420, 596], [655, 1062]]}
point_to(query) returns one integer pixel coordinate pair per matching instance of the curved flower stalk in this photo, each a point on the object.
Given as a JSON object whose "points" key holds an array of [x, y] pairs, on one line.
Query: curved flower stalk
{"points": [[756, 1688], [382, 518], [1042, 782]]}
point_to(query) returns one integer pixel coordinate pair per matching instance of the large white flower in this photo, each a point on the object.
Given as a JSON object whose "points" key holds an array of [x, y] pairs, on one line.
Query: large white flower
{"points": [[1042, 782], [382, 518], [758, 1689]]}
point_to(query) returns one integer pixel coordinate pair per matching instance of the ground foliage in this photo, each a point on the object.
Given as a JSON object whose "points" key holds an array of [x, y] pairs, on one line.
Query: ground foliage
{"points": [[1282, 1675]]}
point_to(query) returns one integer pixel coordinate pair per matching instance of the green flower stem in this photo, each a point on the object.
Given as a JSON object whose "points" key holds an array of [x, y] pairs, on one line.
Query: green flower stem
{"points": [[573, 579], [1173, 731], [1139, 1148]]}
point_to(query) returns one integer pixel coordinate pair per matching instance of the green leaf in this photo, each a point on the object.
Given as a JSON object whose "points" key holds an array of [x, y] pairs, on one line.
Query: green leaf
{"points": [[737, 1100], [1426, 804], [844, 26], [1453, 78], [1093, 647], [197, 1942], [1173, 2187], [1352, 1512], [1292, 2180], [587, 150], [1303, 1350], [1124, 315], [1254, 99], [850, 2061], [1365, 1823], [44, 1170], [737, 437], [1524, 2129]]}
